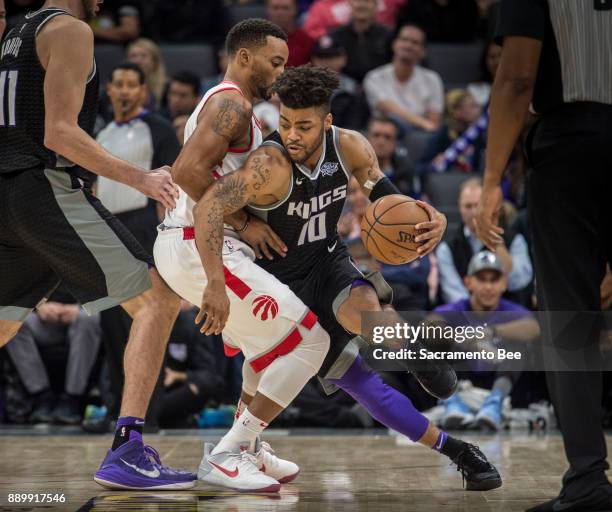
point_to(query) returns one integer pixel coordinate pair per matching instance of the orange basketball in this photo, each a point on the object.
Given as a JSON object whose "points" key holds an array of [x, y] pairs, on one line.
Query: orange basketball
{"points": [[387, 229]]}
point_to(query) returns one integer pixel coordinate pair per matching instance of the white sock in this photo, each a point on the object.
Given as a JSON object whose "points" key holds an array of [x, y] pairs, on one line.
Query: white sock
{"points": [[240, 408], [242, 435]]}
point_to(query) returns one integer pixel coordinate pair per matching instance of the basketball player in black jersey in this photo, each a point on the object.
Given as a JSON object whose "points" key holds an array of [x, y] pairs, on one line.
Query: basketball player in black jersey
{"points": [[296, 181], [53, 230]]}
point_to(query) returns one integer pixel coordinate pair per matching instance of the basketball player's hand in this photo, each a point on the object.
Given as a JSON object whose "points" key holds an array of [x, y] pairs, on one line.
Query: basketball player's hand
{"points": [[262, 239], [433, 229], [214, 309], [487, 217], [158, 185]]}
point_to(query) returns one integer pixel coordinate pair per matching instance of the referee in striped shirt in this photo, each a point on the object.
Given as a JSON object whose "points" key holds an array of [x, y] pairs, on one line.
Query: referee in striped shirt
{"points": [[558, 55]]}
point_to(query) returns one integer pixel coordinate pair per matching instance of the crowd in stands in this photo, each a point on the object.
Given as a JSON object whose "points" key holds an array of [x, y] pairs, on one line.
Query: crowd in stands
{"points": [[429, 137]]}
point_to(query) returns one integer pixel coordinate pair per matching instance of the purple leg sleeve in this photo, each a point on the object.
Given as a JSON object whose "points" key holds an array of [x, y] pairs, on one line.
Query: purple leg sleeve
{"points": [[384, 403]]}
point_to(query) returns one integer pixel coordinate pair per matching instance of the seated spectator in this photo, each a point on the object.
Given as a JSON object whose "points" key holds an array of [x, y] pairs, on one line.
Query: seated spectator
{"points": [[383, 134], [147, 56], [348, 105], [183, 94], [179, 123], [489, 62], [326, 15], [409, 281], [507, 325], [118, 21], [194, 372], [284, 14], [453, 21], [455, 254], [404, 91], [57, 322], [366, 42], [195, 21], [461, 140], [209, 82]]}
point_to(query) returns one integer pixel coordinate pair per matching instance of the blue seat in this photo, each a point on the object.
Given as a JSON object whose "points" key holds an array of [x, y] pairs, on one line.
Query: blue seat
{"points": [[457, 64], [197, 58]]}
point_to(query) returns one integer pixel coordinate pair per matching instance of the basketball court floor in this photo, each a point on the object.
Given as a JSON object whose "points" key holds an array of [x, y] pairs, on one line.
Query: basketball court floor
{"points": [[341, 471]]}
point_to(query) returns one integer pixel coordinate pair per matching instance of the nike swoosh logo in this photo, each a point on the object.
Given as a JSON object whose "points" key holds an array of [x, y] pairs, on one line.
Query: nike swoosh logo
{"points": [[298, 181], [439, 445], [145, 472], [331, 249], [231, 474]]}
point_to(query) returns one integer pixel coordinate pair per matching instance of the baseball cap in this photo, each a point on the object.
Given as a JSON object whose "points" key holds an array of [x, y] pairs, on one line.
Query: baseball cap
{"points": [[327, 47], [485, 260]]}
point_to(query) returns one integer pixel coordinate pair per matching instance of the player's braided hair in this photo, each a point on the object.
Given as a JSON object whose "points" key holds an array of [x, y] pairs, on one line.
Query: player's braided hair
{"points": [[250, 33], [306, 86]]}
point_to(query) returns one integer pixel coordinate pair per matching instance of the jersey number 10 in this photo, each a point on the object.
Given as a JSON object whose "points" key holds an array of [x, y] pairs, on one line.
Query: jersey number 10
{"points": [[8, 89]]}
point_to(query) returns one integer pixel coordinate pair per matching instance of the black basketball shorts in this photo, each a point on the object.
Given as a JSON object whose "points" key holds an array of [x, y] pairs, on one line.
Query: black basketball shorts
{"points": [[324, 290], [51, 231]]}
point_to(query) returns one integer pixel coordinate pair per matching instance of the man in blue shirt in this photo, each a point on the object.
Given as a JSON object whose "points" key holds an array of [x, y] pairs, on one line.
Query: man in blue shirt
{"points": [[506, 322]]}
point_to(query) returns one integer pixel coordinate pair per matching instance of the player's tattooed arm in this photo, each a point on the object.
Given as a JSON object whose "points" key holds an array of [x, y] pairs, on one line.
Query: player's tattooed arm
{"points": [[223, 123], [361, 160], [225, 196]]}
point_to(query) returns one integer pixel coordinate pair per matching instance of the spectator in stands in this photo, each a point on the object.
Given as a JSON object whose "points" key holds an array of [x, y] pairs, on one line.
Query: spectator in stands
{"points": [[348, 104], [179, 123], [148, 140], [117, 22], [404, 91], [366, 42], [57, 322], [284, 14], [2, 18], [194, 372], [383, 135], [489, 63], [147, 56], [326, 15], [453, 21], [210, 81], [455, 254], [183, 94], [508, 325], [195, 21], [462, 113], [409, 282]]}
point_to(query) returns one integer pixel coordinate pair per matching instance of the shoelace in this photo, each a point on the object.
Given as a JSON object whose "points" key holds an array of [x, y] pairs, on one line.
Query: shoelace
{"points": [[250, 460], [480, 458], [268, 455], [152, 453]]}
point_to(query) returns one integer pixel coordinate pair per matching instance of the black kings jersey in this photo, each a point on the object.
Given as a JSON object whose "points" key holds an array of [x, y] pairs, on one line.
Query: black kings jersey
{"points": [[22, 103], [306, 220]]}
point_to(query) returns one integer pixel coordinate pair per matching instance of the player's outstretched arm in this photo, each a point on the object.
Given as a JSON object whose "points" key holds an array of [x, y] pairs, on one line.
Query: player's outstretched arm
{"points": [[252, 183], [66, 51], [223, 121], [363, 164]]}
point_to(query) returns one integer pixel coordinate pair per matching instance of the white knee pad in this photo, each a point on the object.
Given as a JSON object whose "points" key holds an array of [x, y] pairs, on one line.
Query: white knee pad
{"points": [[287, 375], [250, 379]]}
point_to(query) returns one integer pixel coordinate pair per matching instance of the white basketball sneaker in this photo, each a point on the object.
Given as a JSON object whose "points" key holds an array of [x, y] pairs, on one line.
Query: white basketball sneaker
{"points": [[282, 470], [237, 471]]}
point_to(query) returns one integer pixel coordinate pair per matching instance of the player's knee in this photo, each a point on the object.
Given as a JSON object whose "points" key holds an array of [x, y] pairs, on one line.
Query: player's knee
{"points": [[316, 344], [360, 300], [158, 300]]}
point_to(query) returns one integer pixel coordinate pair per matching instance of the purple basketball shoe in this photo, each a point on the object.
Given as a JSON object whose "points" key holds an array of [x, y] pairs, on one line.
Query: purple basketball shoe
{"points": [[137, 466]]}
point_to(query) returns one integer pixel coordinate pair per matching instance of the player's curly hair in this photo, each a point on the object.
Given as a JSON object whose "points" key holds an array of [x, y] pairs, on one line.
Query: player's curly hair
{"points": [[251, 33], [306, 86]]}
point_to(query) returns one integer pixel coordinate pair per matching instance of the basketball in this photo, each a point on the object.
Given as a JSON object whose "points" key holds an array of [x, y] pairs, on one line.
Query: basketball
{"points": [[388, 229]]}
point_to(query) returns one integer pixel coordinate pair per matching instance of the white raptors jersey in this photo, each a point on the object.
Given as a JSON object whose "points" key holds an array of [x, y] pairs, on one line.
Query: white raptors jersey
{"points": [[182, 215]]}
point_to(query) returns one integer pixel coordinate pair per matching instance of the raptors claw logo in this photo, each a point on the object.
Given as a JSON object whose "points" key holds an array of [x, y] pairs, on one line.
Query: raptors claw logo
{"points": [[266, 306]]}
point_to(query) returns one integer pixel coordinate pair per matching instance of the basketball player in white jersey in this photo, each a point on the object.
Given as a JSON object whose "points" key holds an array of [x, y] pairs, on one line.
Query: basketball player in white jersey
{"points": [[280, 337]]}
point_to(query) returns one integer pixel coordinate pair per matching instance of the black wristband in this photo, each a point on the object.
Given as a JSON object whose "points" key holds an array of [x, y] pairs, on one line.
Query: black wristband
{"points": [[383, 187]]}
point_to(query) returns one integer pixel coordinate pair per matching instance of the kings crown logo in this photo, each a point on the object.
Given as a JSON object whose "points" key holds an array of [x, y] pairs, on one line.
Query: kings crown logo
{"points": [[329, 168]]}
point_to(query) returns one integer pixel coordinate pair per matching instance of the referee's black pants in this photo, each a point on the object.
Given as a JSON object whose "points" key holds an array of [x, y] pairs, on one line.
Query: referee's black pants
{"points": [[570, 192]]}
